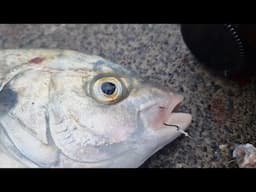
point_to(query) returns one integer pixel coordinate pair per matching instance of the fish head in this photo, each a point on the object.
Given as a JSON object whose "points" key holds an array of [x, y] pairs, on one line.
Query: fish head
{"points": [[107, 116]]}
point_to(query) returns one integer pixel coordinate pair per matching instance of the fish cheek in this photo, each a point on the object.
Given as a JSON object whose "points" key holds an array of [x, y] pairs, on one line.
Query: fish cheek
{"points": [[115, 122], [99, 134]]}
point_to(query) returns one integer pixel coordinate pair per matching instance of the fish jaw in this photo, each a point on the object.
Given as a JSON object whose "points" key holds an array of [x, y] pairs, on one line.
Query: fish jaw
{"points": [[158, 115], [162, 123]]}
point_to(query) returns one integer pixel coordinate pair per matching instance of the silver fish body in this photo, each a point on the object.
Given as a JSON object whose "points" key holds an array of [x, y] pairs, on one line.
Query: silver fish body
{"points": [[62, 108]]}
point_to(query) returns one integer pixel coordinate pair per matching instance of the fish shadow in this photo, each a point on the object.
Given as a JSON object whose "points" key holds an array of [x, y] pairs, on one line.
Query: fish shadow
{"points": [[8, 100]]}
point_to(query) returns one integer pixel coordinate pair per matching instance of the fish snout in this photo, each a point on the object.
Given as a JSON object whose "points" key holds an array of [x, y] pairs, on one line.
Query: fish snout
{"points": [[162, 117]]}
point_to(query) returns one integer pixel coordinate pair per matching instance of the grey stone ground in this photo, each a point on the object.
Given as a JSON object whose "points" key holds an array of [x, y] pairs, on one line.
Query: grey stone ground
{"points": [[223, 112]]}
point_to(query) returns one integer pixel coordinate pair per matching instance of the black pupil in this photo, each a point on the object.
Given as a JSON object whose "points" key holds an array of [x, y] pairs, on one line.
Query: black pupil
{"points": [[108, 88]]}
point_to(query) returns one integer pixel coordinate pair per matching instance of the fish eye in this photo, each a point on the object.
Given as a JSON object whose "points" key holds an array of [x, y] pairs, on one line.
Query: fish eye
{"points": [[108, 90]]}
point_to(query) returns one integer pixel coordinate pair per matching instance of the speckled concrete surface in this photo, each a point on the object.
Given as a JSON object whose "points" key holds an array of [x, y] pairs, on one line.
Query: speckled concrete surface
{"points": [[223, 111]]}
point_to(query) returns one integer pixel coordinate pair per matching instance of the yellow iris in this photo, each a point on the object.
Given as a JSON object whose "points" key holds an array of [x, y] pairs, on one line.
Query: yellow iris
{"points": [[114, 95]]}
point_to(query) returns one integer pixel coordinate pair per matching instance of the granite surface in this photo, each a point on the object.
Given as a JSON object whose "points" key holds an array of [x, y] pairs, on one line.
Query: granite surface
{"points": [[223, 111]]}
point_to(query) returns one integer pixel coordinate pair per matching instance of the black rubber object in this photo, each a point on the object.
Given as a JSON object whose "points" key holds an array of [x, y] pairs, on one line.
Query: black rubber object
{"points": [[220, 47]]}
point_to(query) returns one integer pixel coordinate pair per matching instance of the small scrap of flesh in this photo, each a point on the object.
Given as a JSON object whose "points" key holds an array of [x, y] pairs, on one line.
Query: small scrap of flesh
{"points": [[245, 155]]}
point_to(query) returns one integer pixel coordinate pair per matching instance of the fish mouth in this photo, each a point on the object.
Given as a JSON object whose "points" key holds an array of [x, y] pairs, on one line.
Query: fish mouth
{"points": [[165, 114]]}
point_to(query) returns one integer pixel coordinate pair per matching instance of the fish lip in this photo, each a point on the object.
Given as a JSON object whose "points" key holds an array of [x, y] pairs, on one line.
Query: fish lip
{"points": [[174, 102], [161, 111]]}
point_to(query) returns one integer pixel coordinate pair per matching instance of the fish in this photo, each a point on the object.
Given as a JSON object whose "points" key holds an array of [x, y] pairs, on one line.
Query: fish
{"points": [[67, 109]]}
